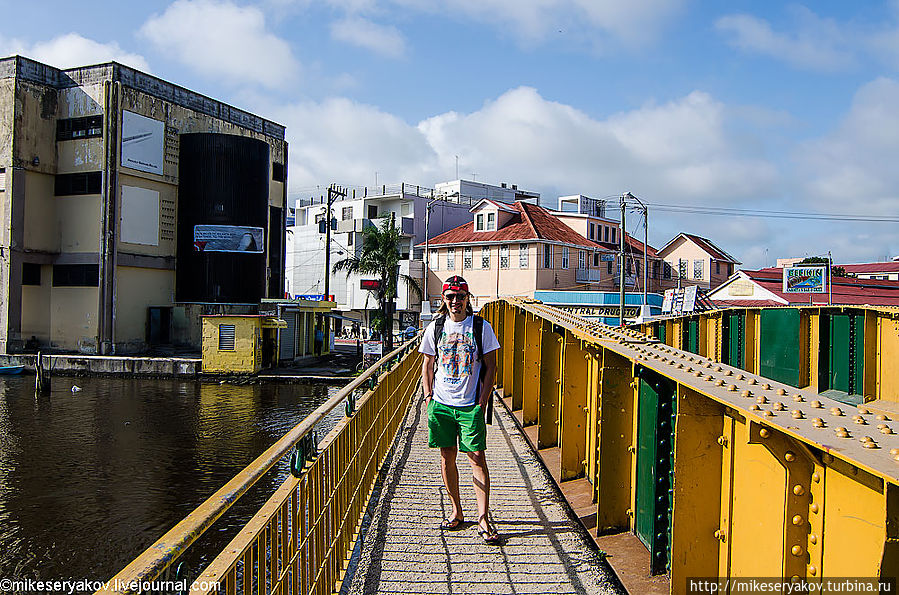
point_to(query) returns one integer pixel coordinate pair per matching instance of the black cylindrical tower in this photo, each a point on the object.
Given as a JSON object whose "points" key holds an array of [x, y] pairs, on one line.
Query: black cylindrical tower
{"points": [[223, 180]]}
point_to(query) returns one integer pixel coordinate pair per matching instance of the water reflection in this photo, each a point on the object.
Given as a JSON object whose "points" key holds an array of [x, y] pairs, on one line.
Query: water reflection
{"points": [[89, 479]]}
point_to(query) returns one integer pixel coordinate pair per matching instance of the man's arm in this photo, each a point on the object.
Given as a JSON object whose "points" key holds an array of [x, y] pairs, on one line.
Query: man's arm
{"points": [[489, 364], [427, 374]]}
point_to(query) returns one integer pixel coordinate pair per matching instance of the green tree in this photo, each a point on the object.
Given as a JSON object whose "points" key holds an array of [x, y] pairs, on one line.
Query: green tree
{"points": [[835, 271], [380, 257]]}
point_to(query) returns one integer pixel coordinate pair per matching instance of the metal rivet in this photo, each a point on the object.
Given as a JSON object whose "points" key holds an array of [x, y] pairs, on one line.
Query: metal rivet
{"points": [[797, 414], [863, 411], [859, 420], [753, 381], [741, 377], [761, 400], [756, 408], [719, 369], [781, 392], [814, 508], [798, 398], [796, 550], [709, 378], [766, 386], [815, 477], [769, 413], [817, 404], [883, 418], [779, 406], [797, 520], [813, 539], [698, 374], [719, 382], [764, 433], [789, 456], [746, 393], [886, 430], [894, 451], [798, 490], [827, 458], [836, 411], [812, 570], [729, 373], [818, 422], [842, 432]]}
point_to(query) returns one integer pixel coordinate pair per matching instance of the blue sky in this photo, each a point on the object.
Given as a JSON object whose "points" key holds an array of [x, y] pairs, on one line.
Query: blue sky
{"points": [[686, 104]]}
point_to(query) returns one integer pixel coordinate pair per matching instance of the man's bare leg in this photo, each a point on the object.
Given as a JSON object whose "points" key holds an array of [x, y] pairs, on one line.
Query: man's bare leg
{"points": [[451, 479], [480, 476]]}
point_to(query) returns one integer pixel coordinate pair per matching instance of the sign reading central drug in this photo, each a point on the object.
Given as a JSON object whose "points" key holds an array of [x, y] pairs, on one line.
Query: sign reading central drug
{"points": [[228, 238]]}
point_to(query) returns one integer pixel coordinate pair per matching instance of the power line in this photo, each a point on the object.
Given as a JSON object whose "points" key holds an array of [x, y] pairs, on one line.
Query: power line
{"points": [[764, 213]]}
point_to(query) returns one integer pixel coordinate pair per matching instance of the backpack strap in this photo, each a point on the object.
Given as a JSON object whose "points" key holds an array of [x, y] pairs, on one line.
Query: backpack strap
{"points": [[438, 329], [478, 328]]}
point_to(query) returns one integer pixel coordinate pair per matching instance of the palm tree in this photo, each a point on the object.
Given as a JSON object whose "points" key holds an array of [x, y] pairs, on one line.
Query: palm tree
{"points": [[380, 257]]}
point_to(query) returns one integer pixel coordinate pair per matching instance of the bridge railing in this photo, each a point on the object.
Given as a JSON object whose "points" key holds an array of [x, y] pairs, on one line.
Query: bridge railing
{"points": [[300, 540], [719, 470]]}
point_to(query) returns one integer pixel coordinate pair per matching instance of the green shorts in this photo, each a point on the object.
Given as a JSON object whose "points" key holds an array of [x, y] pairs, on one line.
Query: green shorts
{"points": [[456, 426]]}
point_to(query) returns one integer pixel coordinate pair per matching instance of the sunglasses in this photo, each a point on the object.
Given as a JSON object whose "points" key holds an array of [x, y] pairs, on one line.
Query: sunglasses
{"points": [[454, 296]]}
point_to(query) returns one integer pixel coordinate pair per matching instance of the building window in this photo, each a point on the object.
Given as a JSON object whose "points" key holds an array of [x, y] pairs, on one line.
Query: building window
{"points": [[86, 127], [730, 269], [697, 269], [595, 259], [346, 213], [522, 256], [609, 267], [434, 260], [581, 259], [450, 259], [31, 273], [655, 269], [372, 211], [717, 268], [491, 221], [682, 268], [613, 235], [405, 209], [76, 184], [564, 257], [466, 258], [637, 265], [479, 222], [2, 179], [504, 257], [547, 256], [667, 270], [226, 337], [592, 230], [630, 264], [606, 232], [485, 257], [278, 172], [349, 239], [76, 275]]}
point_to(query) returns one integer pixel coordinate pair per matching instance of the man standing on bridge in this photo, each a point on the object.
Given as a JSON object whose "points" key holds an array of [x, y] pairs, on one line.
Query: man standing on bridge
{"points": [[457, 397]]}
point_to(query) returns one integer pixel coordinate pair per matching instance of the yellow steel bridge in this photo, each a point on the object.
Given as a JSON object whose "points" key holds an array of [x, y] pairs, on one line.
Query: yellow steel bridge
{"points": [[736, 443]]}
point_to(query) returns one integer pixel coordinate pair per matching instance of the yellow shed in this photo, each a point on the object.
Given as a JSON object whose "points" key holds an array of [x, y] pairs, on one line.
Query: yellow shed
{"points": [[240, 343]]}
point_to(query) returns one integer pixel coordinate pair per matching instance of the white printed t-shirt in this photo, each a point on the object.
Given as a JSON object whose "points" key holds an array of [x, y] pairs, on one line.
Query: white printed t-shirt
{"points": [[456, 380]]}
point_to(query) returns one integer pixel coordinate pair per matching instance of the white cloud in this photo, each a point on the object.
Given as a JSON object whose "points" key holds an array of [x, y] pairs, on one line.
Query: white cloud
{"points": [[853, 169], [818, 44], [361, 32], [72, 50], [219, 38]]}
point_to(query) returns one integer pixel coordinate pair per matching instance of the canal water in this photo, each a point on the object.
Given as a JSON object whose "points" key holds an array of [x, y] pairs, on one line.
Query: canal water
{"points": [[90, 478]]}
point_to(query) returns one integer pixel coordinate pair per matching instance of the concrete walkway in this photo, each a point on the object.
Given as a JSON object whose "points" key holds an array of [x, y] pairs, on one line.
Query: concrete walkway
{"points": [[404, 551]]}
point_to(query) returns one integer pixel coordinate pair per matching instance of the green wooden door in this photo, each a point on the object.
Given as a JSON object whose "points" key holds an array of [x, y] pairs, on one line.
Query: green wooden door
{"points": [[691, 335], [779, 345], [842, 357], [733, 338], [654, 464]]}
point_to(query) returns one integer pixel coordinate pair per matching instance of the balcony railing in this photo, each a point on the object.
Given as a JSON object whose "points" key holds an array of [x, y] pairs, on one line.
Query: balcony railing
{"points": [[587, 275]]}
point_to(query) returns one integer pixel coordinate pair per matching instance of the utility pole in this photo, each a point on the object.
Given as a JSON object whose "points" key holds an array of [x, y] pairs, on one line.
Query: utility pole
{"points": [[630, 196], [621, 262], [427, 297], [333, 192]]}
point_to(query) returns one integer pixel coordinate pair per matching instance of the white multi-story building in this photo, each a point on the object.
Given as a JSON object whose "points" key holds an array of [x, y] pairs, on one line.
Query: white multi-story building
{"points": [[305, 258]]}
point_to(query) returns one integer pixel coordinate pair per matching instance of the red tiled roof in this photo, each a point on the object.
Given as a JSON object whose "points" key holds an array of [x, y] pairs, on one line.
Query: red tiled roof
{"points": [[531, 223], [872, 267], [845, 290], [745, 303]]}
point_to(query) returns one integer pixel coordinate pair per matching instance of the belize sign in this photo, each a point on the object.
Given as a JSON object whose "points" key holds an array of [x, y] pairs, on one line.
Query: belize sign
{"points": [[805, 279]]}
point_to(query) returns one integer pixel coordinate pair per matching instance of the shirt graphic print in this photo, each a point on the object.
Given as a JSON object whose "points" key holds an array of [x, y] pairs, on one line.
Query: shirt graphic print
{"points": [[457, 356]]}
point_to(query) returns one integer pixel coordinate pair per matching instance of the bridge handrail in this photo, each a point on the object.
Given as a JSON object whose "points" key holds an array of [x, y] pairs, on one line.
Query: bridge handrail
{"points": [[162, 554]]}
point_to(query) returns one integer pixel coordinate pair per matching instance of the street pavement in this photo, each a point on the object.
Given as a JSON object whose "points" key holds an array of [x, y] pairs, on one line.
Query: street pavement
{"points": [[402, 550]]}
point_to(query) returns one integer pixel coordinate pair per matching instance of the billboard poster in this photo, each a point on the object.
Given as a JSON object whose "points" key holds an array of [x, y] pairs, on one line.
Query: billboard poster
{"points": [[143, 143], [800, 279], [228, 238], [607, 257], [668, 302], [690, 298]]}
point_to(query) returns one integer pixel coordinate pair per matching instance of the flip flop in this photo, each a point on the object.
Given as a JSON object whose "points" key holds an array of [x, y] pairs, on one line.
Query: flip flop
{"points": [[452, 524], [490, 537]]}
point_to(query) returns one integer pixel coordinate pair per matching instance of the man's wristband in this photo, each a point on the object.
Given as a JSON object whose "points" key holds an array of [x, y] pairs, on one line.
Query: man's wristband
{"points": [[429, 395]]}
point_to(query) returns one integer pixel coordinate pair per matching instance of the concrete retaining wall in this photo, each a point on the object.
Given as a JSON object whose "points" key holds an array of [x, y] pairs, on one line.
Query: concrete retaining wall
{"points": [[110, 365]]}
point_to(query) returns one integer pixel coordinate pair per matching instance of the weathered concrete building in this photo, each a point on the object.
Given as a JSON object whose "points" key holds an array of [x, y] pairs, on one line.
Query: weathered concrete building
{"points": [[131, 206]]}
